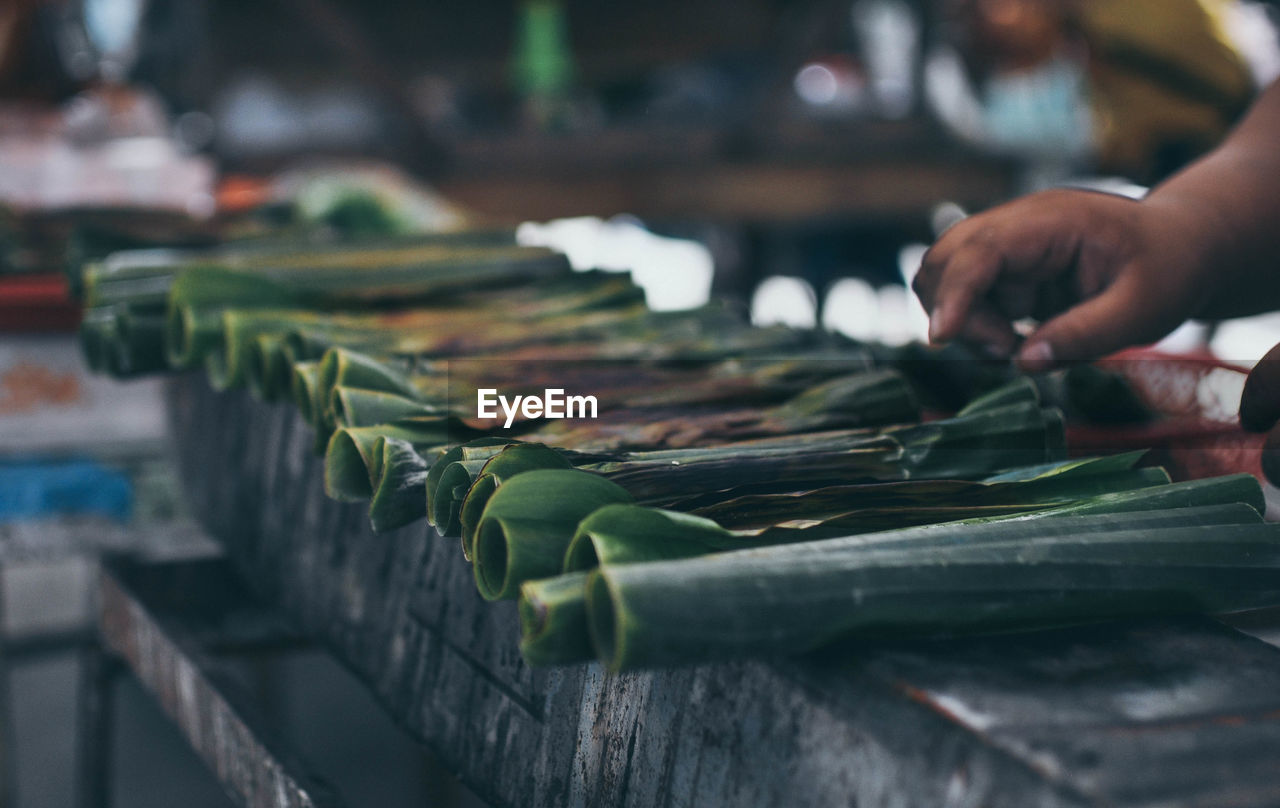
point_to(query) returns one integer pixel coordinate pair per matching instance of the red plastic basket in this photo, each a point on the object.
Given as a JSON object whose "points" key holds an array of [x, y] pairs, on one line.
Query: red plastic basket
{"points": [[1197, 430]]}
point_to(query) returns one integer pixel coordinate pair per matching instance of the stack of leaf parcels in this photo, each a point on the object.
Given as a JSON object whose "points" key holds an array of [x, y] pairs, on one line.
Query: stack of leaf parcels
{"points": [[744, 491]]}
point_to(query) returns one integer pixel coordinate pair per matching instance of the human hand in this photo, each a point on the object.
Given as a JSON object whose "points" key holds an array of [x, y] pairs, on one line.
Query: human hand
{"points": [[1099, 272]]}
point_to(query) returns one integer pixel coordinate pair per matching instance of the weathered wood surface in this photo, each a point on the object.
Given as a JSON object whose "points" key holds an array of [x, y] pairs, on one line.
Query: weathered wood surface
{"points": [[1179, 712], [170, 623]]}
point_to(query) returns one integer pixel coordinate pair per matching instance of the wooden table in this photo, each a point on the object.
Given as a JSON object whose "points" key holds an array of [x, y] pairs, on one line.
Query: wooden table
{"points": [[1161, 712]]}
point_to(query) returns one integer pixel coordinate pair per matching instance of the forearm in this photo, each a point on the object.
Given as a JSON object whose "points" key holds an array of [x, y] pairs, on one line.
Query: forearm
{"points": [[1229, 203]]}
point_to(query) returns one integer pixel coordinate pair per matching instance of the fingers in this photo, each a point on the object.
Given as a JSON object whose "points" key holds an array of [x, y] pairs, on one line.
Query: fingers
{"points": [[1117, 318], [950, 289], [1260, 402], [990, 330]]}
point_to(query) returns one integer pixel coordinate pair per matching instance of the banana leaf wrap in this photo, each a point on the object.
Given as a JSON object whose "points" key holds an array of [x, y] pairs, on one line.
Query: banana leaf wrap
{"points": [[482, 447], [350, 463], [440, 331], [644, 534], [394, 273], [269, 368], [1019, 391], [876, 506], [123, 341], [304, 386], [859, 400], [146, 273], [227, 362], [356, 406], [882, 389], [852, 400], [967, 447], [1015, 573], [353, 455], [292, 283], [97, 333], [527, 524], [193, 317], [512, 460], [553, 621], [137, 346], [398, 475], [792, 463], [651, 476], [620, 536], [340, 367], [1038, 485]]}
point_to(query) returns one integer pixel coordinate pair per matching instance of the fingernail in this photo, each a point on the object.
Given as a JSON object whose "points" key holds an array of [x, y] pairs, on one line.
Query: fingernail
{"points": [[1036, 356], [940, 322]]}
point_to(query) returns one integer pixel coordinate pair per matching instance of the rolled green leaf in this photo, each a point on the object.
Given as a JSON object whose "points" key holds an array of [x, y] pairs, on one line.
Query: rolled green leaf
{"points": [[527, 525], [139, 276], [190, 333], [399, 474], [138, 344], [269, 370], [304, 386], [862, 399], [882, 506], [353, 406], [343, 368], [455, 484], [512, 460], [97, 332], [304, 345], [553, 621], [350, 463], [390, 273], [1059, 470], [982, 443], [945, 578], [486, 446], [229, 362], [665, 476], [1019, 391], [661, 475], [196, 300], [629, 534], [1243, 488]]}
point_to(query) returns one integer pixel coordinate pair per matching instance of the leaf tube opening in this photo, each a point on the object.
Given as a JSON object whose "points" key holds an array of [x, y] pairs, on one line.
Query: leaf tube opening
{"points": [[604, 621]]}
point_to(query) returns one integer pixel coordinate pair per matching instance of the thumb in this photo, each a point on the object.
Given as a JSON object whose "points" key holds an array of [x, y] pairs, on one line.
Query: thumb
{"points": [[1117, 318]]}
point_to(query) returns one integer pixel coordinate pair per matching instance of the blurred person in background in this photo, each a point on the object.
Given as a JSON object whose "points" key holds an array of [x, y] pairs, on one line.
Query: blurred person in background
{"points": [[1129, 87], [30, 67]]}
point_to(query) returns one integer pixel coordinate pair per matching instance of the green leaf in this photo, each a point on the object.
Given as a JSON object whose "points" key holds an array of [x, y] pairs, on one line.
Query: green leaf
{"points": [[528, 523], [512, 460], [349, 462], [553, 621], [942, 578], [400, 473], [492, 445]]}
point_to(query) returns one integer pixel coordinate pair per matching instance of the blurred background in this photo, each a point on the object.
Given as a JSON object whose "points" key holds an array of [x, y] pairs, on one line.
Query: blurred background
{"points": [[794, 158]]}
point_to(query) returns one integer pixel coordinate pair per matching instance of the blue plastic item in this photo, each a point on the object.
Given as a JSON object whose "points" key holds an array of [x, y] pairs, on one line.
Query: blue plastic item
{"points": [[34, 489]]}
